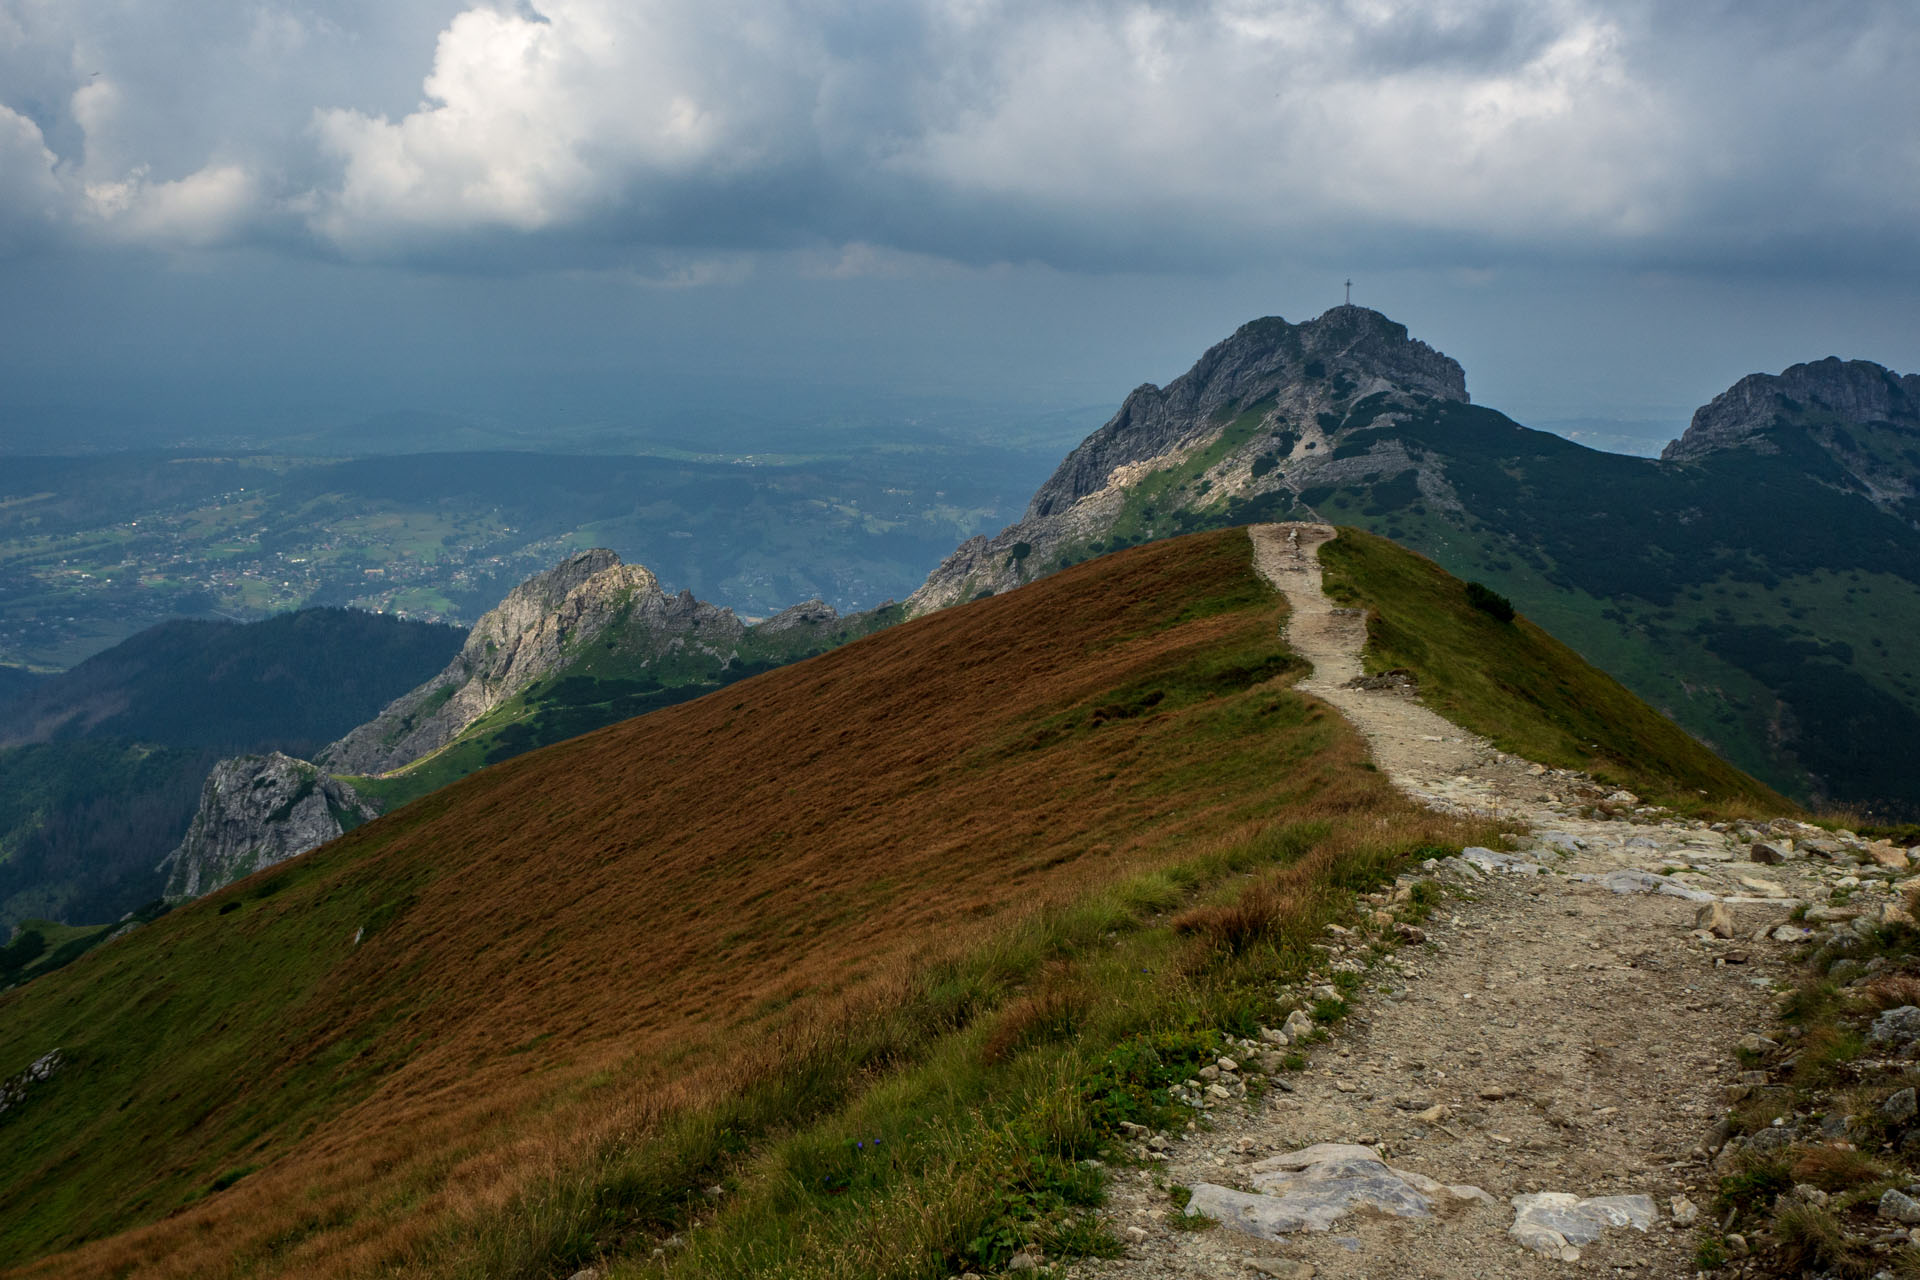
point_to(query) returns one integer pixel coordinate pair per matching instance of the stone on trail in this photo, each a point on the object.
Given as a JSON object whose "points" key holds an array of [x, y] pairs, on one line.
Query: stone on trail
{"points": [[1765, 888], [1556, 1223], [1297, 1024], [1500, 863], [1625, 881], [1715, 919], [1888, 855], [1768, 853], [1282, 1268], [1307, 1190]]}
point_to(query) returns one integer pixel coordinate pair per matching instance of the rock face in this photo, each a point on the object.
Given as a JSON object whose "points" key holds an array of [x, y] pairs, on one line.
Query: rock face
{"points": [[1862, 419], [256, 811], [1274, 401], [542, 622]]}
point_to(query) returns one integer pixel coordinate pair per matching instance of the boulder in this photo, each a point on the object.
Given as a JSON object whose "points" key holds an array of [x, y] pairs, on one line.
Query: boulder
{"points": [[1896, 1029], [1715, 919]]}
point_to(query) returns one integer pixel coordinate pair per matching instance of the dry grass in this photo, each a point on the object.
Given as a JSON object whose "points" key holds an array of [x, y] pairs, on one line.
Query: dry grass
{"points": [[583, 944], [1890, 992], [1836, 1169], [1234, 926]]}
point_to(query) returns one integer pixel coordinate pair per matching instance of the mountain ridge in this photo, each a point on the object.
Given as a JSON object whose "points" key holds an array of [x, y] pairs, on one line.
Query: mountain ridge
{"points": [[1695, 578]]}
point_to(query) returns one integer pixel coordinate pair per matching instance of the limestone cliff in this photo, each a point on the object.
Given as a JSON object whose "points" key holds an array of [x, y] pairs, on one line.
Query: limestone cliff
{"points": [[1261, 413], [256, 811], [541, 624]]}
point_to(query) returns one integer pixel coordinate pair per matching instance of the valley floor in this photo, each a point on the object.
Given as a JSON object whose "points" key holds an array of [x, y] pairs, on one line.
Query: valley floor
{"points": [[1574, 1037]]}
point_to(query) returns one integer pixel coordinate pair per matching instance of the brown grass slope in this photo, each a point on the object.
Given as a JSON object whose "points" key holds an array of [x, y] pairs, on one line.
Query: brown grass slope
{"points": [[317, 1070]]}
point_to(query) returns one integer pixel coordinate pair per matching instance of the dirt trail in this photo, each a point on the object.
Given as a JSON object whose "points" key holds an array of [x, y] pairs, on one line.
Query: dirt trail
{"points": [[1579, 1039]]}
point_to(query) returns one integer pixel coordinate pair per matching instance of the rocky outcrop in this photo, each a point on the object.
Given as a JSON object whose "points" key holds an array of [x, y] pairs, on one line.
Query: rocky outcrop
{"points": [[1862, 417], [543, 623], [814, 612], [256, 811], [15, 1089], [1303, 389]]}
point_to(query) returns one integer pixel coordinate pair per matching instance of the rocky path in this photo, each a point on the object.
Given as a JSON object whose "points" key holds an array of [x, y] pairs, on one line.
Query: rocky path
{"points": [[1565, 1029]]}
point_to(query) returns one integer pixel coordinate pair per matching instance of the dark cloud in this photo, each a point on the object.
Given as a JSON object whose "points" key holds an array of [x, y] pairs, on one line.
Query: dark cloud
{"points": [[1092, 134]]}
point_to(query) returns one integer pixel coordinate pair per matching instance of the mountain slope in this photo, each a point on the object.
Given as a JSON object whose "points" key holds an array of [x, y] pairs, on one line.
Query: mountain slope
{"points": [[332, 1066], [1761, 585]]}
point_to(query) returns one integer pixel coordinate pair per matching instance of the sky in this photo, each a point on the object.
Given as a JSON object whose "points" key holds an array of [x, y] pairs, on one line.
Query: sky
{"points": [[1607, 210]]}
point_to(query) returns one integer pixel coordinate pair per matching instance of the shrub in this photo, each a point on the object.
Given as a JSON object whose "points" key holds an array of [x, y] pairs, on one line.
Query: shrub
{"points": [[1489, 601]]}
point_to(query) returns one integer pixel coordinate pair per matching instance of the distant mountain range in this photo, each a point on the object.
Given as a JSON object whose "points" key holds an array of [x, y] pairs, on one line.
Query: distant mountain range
{"points": [[1760, 582]]}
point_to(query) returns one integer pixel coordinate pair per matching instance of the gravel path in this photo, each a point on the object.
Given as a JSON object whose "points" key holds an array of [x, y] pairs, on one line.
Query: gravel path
{"points": [[1576, 1039]]}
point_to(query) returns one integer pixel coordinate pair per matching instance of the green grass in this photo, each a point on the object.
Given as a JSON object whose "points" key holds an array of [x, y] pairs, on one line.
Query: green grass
{"points": [[1521, 688], [960, 1155], [219, 968]]}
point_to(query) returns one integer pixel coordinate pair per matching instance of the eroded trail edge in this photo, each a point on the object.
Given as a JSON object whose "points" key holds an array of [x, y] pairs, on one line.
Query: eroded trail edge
{"points": [[1566, 1028]]}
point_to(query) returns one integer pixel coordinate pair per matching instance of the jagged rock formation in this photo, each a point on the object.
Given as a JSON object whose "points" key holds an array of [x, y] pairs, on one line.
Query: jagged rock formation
{"points": [[1862, 419], [1259, 414], [542, 622], [256, 811]]}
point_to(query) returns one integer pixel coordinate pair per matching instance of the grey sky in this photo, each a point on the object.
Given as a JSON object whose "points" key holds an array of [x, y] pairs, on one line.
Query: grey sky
{"points": [[1604, 208]]}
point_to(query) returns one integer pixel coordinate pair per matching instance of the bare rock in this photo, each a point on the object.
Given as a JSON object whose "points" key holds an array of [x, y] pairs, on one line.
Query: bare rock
{"points": [[256, 812], [1715, 919], [1556, 1223], [533, 631], [1309, 1189]]}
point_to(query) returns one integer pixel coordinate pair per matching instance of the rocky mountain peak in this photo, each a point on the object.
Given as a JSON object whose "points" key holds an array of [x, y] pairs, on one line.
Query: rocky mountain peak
{"points": [[1851, 391], [1851, 424], [1346, 354], [529, 634]]}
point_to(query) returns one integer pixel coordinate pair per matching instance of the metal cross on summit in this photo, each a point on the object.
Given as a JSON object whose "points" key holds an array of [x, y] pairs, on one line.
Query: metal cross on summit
{"points": [[1349, 293]]}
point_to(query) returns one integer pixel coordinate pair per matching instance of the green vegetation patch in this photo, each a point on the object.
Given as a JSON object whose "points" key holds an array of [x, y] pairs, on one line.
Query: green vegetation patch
{"points": [[1515, 684]]}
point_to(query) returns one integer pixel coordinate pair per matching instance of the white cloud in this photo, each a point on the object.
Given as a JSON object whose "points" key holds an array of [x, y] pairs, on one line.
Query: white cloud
{"points": [[1083, 132], [532, 121], [207, 207], [31, 195]]}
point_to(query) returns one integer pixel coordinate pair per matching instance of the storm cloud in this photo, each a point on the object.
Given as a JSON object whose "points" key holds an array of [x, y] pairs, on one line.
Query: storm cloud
{"points": [[690, 136]]}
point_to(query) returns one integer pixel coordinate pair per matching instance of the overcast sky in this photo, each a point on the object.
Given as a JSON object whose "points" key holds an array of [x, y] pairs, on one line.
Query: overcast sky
{"points": [[1604, 208]]}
